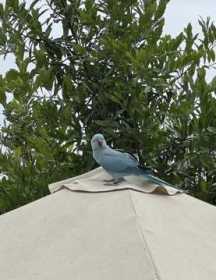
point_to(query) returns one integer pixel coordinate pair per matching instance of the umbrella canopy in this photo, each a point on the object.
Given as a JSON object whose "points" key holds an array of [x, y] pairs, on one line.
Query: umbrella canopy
{"points": [[85, 230]]}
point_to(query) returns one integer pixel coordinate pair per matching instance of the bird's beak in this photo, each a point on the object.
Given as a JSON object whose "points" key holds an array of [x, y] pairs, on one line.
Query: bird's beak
{"points": [[100, 143]]}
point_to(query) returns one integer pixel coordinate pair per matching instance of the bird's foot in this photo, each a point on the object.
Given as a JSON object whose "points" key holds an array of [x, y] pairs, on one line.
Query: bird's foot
{"points": [[113, 181]]}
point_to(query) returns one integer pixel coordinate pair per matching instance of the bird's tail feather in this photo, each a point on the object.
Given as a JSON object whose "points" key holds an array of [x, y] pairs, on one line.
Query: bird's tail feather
{"points": [[150, 178]]}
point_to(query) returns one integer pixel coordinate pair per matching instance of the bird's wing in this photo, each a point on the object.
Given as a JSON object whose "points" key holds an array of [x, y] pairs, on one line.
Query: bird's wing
{"points": [[133, 157], [147, 170], [129, 155], [116, 161]]}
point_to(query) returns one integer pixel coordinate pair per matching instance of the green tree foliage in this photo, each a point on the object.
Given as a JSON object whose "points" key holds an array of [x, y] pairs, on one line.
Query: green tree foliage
{"points": [[110, 69]]}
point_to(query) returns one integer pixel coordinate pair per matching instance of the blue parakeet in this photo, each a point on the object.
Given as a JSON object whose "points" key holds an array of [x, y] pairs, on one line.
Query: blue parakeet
{"points": [[119, 164]]}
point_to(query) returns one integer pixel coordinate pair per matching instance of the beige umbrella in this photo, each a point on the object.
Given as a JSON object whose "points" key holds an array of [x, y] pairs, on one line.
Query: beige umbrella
{"points": [[85, 230]]}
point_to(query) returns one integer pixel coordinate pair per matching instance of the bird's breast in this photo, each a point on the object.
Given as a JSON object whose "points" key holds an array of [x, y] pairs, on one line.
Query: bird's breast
{"points": [[97, 156]]}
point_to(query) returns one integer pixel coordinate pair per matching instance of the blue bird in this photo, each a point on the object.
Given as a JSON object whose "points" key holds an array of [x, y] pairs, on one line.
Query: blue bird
{"points": [[121, 165]]}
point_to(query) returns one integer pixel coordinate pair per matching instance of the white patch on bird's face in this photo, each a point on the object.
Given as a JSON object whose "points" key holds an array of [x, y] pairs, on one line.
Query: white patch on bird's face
{"points": [[98, 142]]}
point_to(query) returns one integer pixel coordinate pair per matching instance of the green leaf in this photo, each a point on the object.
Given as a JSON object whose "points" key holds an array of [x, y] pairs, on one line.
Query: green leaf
{"points": [[12, 75], [2, 97], [68, 87], [45, 78], [161, 9], [33, 4], [41, 58], [1, 10]]}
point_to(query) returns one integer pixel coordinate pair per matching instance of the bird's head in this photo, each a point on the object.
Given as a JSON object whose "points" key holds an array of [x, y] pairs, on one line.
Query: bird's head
{"points": [[98, 142]]}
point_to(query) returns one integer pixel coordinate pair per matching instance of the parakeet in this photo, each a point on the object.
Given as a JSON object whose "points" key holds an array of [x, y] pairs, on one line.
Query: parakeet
{"points": [[121, 165]]}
